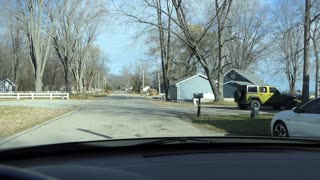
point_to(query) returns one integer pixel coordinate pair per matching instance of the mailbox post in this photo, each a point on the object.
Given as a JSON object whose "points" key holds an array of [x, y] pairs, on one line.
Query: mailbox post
{"points": [[198, 96]]}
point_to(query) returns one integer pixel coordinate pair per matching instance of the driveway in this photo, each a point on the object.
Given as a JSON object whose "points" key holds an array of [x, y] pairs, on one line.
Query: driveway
{"points": [[113, 117]]}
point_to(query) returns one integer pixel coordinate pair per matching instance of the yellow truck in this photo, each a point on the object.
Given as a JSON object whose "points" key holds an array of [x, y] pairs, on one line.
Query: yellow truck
{"points": [[254, 96]]}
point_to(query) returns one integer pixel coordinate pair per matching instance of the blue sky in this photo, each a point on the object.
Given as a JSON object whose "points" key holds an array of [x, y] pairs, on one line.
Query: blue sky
{"points": [[121, 48]]}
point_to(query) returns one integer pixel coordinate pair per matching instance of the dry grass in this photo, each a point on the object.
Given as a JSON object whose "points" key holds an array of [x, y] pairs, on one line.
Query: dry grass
{"points": [[87, 96], [16, 119]]}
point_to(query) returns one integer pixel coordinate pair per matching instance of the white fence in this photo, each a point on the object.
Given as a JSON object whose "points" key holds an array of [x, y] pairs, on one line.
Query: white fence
{"points": [[41, 92], [34, 95]]}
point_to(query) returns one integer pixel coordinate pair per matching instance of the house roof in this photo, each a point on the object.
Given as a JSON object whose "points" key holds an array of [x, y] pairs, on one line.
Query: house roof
{"points": [[250, 76], [6, 79], [239, 82], [187, 78]]}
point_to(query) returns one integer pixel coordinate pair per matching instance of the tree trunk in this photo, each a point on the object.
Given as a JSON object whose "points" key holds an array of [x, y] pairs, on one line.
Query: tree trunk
{"points": [[67, 78], [213, 85], [219, 96], [38, 81], [221, 64], [306, 57], [81, 82], [317, 78], [162, 51], [292, 87], [16, 75], [315, 47]]}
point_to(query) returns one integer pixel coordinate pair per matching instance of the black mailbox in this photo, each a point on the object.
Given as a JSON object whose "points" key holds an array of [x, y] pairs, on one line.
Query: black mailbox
{"points": [[197, 95]]}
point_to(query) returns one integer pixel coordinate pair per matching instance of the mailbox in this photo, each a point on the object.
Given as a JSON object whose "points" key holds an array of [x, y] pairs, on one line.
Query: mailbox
{"points": [[197, 95]]}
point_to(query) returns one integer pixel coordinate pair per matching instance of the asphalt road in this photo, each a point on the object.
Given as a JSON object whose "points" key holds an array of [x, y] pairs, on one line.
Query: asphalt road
{"points": [[113, 117]]}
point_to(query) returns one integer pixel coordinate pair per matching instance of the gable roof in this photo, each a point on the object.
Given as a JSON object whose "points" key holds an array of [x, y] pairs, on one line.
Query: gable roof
{"points": [[8, 80], [190, 77], [238, 82], [250, 76]]}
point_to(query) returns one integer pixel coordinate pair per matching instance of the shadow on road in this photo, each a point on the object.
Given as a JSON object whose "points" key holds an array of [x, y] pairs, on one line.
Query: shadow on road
{"points": [[124, 97], [240, 127], [222, 107], [94, 133]]}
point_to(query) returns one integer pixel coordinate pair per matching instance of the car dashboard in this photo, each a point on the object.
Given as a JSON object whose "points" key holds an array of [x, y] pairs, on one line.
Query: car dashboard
{"points": [[175, 162]]}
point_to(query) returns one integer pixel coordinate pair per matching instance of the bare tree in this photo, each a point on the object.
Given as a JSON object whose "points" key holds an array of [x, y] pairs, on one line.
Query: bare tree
{"points": [[306, 53], [182, 30], [248, 30], [95, 68], [34, 15], [315, 40], [77, 29], [16, 45], [165, 43], [53, 76], [315, 36], [162, 21], [289, 42], [222, 12]]}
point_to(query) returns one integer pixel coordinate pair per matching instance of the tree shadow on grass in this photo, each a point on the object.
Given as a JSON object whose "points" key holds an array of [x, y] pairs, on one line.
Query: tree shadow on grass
{"points": [[258, 127]]}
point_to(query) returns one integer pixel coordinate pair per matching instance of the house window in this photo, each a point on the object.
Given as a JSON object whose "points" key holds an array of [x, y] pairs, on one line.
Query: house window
{"points": [[233, 76]]}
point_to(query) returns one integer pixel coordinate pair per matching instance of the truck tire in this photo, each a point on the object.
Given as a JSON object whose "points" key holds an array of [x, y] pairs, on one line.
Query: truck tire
{"points": [[255, 104], [236, 95], [242, 106]]}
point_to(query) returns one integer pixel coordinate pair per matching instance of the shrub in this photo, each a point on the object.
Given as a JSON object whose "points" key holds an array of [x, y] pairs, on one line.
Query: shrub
{"points": [[107, 88], [153, 92]]}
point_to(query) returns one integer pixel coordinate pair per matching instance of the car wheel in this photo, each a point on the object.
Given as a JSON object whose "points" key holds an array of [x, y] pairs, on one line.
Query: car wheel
{"points": [[242, 106], [255, 104], [276, 107], [280, 130], [290, 104]]}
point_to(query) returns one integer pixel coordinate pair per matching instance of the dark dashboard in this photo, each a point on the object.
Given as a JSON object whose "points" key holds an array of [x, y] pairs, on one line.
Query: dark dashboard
{"points": [[174, 161]]}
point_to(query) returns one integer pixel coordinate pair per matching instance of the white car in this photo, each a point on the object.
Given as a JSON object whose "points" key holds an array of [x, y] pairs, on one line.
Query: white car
{"points": [[303, 121]]}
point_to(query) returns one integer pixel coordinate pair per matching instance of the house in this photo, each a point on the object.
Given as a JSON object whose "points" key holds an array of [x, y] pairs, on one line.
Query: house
{"points": [[183, 89], [234, 78], [6, 86]]}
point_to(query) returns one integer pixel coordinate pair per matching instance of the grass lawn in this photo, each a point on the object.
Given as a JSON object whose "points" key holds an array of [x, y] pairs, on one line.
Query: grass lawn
{"points": [[16, 119], [236, 124]]}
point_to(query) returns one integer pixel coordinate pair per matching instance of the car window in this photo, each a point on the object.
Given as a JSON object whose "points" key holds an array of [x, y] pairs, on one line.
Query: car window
{"points": [[273, 89], [312, 107], [252, 89], [262, 89]]}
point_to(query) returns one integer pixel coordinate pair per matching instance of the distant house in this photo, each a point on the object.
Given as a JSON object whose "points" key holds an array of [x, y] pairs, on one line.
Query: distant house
{"points": [[6, 86], [183, 89], [234, 78]]}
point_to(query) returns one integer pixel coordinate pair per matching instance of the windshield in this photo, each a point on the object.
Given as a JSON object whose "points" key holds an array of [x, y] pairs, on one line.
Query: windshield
{"points": [[76, 71]]}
